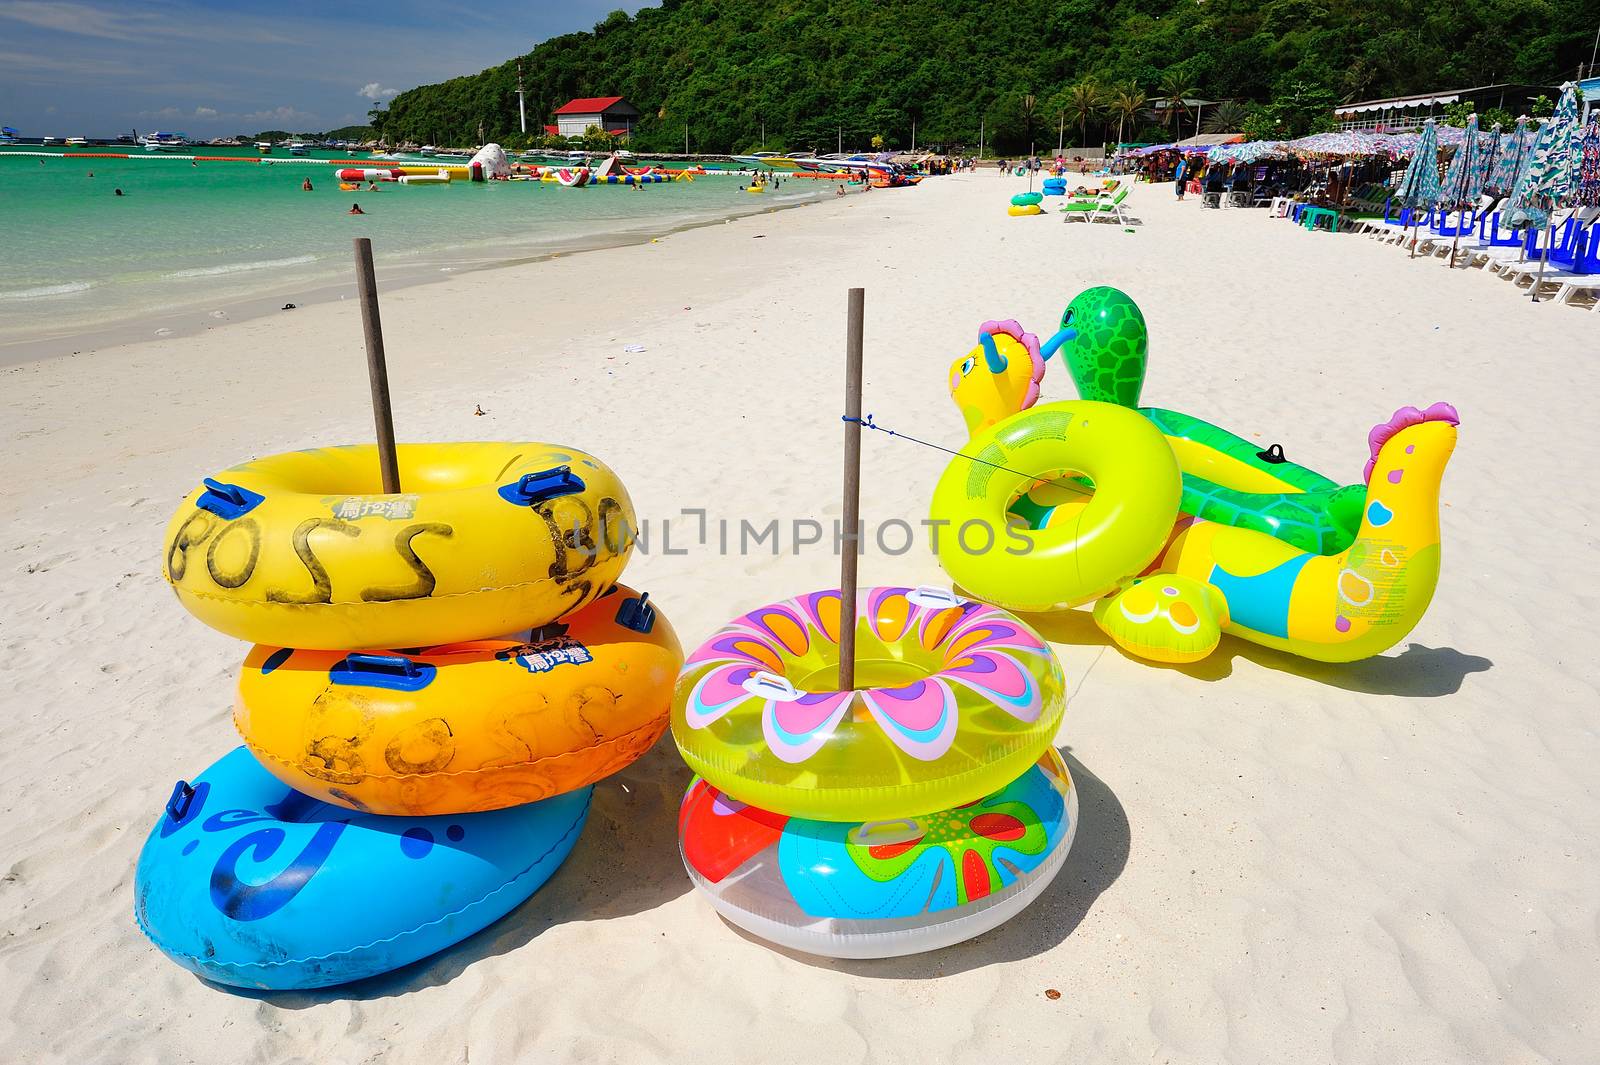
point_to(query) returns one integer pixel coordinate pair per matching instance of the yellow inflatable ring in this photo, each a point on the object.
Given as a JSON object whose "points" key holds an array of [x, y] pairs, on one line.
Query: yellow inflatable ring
{"points": [[1016, 527], [1017, 210], [469, 726], [302, 549], [956, 699]]}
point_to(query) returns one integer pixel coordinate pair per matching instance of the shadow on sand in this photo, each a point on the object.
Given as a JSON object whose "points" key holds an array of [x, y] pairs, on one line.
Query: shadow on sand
{"points": [[1418, 672], [1099, 853], [626, 862]]}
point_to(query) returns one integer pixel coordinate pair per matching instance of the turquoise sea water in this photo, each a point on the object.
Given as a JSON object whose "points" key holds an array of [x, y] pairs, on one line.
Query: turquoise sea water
{"points": [[189, 236]]}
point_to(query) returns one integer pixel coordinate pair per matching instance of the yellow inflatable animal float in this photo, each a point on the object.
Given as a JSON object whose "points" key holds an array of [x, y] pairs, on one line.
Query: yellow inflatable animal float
{"points": [[1082, 502]]}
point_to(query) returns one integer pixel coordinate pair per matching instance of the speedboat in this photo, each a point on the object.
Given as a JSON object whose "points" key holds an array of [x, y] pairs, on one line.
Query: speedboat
{"points": [[426, 149], [77, 142], [770, 160], [164, 142], [264, 146], [48, 140], [298, 147]]}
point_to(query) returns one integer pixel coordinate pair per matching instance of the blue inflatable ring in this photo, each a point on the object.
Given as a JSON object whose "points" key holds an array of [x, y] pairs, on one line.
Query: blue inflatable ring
{"points": [[247, 882]]}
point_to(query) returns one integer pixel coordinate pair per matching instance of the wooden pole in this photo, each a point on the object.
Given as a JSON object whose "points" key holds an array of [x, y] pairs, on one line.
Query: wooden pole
{"points": [[377, 369], [850, 553]]}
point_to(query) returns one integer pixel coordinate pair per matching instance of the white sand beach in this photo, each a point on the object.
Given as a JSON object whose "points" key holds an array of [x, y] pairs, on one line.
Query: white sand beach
{"points": [[1277, 861]]}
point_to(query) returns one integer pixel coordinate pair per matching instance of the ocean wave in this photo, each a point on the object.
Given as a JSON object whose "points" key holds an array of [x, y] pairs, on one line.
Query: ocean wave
{"points": [[46, 291], [239, 268]]}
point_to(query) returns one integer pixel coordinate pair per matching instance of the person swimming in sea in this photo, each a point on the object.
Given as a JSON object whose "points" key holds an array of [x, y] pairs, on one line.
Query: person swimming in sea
{"points": [[355, 208], [305, 186]]}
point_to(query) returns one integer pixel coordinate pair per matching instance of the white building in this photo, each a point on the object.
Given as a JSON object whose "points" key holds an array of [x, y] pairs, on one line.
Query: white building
{"points": [[611, 113]]}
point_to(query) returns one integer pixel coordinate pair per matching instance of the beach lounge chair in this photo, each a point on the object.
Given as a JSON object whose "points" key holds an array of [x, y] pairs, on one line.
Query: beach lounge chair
{"points": [[1098, 210]]}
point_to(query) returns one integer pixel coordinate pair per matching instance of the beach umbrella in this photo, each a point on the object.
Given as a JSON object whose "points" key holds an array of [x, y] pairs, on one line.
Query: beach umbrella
{"points": [[1420, 186], [1586, 189], [1510, 158], [1488, 153], [1461, 186], [1552, 168]]}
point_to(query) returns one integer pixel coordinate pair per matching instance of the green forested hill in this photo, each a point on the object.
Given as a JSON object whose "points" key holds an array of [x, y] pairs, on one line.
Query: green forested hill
{"points": [[805, 68]]}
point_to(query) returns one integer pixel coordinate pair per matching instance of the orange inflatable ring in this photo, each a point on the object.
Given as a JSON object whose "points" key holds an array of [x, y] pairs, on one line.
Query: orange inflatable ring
{"points": [[465, 727]]}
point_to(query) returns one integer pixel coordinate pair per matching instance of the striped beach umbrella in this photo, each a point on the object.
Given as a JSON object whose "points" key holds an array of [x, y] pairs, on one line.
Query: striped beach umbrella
{"points": [[1488, 153], [1420, 186], [1586, 190], [1511, 158], [1552, 169], [1463, 181], [1458, 189]]}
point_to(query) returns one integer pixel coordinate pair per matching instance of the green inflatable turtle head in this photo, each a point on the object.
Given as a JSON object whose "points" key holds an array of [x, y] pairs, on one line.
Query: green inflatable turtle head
{"points": [[1104, 344]]}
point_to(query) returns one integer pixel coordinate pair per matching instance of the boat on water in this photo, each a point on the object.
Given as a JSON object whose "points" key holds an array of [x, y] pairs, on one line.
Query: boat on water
{"points": [[49, 140], [164, 142], [264, 147], [869, 164], [298, 147], [770, 160], [8, 135], [427, 149], [77, 142]]}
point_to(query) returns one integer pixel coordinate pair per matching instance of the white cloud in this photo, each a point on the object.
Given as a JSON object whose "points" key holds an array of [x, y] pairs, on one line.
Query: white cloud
{"points": [[89, 20], [205, 112], [283, 116], [375, 92]]}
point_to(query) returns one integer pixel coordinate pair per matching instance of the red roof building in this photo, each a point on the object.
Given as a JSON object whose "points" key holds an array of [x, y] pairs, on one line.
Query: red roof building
{"points": [[613, 114]]}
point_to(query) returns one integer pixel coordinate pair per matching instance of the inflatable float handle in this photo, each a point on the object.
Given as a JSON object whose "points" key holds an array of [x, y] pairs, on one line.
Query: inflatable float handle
{"points": [[770, 686], [1273, 454], [382, 671], [178, 803], [227, 501], [637, 614], [934, 598], [534, 488]]}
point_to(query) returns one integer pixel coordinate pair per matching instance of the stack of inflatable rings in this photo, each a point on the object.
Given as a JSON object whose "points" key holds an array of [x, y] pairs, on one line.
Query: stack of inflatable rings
{"points": [[389, 803], [1025, 203], [922, 808]]}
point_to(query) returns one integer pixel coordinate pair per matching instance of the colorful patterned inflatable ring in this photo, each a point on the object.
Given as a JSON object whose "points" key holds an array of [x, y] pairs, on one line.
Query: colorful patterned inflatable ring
{"points": [[885, 888], [958, 699], [303, 550], [252, 884], [469, 726]]}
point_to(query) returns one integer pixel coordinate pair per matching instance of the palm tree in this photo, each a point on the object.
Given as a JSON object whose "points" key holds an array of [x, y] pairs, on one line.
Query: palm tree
{"points": [[1229, 116], [1029, 102], [1085, 103], [1128, 102], [1177, 86]]}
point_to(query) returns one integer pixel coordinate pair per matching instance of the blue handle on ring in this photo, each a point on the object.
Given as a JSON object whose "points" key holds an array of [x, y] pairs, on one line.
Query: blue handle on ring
{"points": [[178, 803], [637, 614], [538, 487], [395, 672], [227, 501]]}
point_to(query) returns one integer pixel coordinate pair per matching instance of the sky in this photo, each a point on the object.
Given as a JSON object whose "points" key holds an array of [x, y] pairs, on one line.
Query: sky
{"points": [[98, 68]]}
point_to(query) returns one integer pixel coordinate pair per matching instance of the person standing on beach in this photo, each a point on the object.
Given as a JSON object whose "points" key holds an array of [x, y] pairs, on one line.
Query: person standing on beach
{"points": [[1177, 180]]}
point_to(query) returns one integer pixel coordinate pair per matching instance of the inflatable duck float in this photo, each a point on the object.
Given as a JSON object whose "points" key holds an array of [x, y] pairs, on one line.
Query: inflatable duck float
{"points": [[1178, 530]]}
